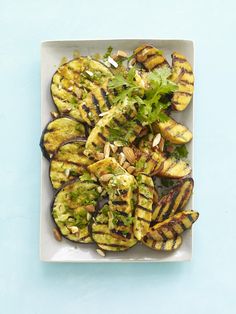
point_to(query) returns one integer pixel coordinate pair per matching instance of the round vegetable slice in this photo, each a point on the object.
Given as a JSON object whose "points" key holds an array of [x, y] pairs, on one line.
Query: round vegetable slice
{"points": [[72, 82], [70, 209], [103, 236], [59, 131], [68, 162]]}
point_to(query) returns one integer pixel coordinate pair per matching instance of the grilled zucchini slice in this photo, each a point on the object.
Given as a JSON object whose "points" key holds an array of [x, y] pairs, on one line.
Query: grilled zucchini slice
{"points": [[174, 201], [105, 238], [168, 245], [143, 209], [182, 75], [69, 209], [150, 57], [67, 163], [173, 226], [118, 116], [59, 131], [174, 132], [74, 80]]}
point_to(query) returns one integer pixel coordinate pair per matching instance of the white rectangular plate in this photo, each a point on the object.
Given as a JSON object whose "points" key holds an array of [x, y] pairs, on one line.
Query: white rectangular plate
{"points": [[66, 251]]}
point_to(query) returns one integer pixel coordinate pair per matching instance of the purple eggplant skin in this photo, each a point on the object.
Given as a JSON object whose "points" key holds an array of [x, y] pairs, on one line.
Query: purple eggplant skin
{"points": [[41, 143]]}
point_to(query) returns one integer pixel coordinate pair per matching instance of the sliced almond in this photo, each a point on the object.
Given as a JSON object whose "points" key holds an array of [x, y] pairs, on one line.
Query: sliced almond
{"points": [[107, 150], [155, 197], [121, 158], [99, 189], [130, 169], [89, 73], [122, 53], [70, 88], [88, 216], [90, 208], [126, 164], [129, 154], [100, 252], [73, 229], [57, 234], [106, 177], [156, 140], [113, 148], [67, 172], [161, 144], [54, 114], [102, 114], [99, 156], [112, 62]]}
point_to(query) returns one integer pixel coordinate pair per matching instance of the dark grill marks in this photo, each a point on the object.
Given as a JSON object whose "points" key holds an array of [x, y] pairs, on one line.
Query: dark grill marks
{"points": [[84, 238], [171, 205], [179, 59], [161, 233], [190, 218], [185, 82], [144, 208], [183, 93], [96, 104], [120, 203], [144, 196], [144, 220], [112, 245], [182, 225], [186, 195], [105, 98], [117, 122], [102, 136], [121, 234], [86, 109], [159, 65], [70, 162]]}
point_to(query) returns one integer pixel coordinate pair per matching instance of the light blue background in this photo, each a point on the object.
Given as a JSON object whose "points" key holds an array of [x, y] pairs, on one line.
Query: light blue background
{"points": [[205, 285]]}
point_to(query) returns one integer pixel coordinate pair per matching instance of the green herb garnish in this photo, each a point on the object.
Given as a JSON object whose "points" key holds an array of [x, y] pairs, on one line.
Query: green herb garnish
{"points": [[151, 100], [167, 182], [108, 53]]}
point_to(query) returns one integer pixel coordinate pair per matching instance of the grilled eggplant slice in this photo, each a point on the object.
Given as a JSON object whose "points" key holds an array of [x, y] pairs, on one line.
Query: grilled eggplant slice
{"points": [[59, 131], [68, 162], [174, 201], [150, 57], [174, 132], [182, 75], [104, 237], [168, 245], [74, 80], [173, 226], [106, 166], [143, 209], [117, 117], [69, 209]]}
